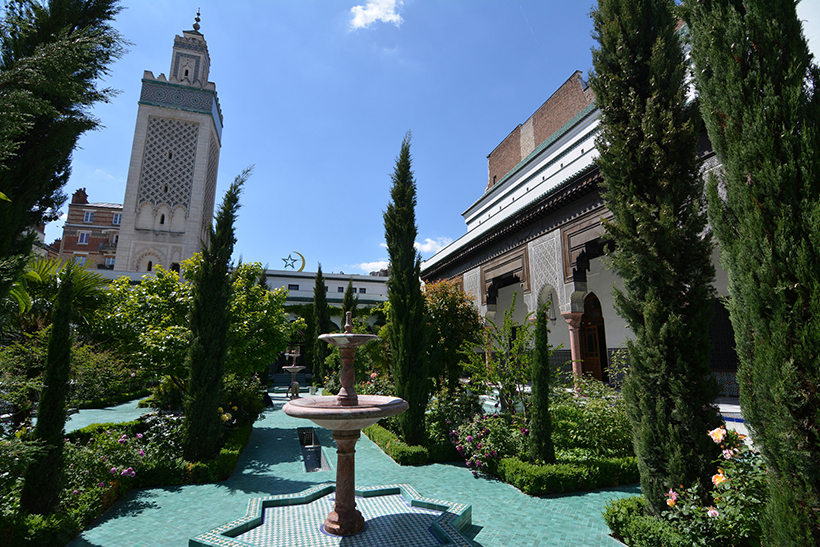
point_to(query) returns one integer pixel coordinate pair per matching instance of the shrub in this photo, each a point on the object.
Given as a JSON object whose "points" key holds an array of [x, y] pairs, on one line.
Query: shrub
{"points": [[103, 461], [401, 452], [628, 523], [534, 479], [487, 439], [738, 498], [449, 410]]}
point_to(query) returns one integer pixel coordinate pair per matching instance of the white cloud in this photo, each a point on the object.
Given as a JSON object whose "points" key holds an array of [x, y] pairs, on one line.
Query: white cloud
{"points": [[376, 10], [368, 267], [432, 245]]}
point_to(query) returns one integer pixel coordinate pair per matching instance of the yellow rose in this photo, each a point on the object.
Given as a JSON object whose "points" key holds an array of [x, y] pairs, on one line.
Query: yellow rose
{"points": [[219, 410], [670, 502]]}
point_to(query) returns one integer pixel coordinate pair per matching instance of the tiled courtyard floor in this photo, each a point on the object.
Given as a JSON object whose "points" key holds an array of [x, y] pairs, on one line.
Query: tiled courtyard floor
{"points": [[272, 464]]}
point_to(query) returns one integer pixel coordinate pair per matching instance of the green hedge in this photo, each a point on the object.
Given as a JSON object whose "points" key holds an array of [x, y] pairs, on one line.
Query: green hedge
{"points": [[404, 454], [628, 523], [113, 400], [559, 478]]}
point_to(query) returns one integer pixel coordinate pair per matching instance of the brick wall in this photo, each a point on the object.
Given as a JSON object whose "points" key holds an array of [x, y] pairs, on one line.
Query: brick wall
{"points": [[101, 232], [572, 97]]}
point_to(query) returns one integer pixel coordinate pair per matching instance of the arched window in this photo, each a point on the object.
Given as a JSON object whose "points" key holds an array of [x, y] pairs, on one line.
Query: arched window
{"points": [[162, 219], [150, 266]]}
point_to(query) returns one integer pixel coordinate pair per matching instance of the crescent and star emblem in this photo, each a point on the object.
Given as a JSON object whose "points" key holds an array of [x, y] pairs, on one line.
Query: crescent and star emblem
{"points": [[290, 262]]}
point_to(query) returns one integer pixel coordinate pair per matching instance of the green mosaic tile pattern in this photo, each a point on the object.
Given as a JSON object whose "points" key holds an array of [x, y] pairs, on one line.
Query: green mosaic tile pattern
{"points": [[272, 465], [396, 516]]}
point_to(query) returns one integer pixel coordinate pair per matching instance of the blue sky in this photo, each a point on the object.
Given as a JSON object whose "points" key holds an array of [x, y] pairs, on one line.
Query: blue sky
{"points": [[318, 95]]}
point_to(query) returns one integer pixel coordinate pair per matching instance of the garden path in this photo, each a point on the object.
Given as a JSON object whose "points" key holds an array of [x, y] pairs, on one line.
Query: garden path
{"points": [[272, 464]]}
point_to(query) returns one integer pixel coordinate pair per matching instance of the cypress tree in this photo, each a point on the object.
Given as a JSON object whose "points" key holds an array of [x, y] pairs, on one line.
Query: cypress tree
{"points": [[43, 477], [661, 248], [210, 321], [759, 98], [349, 302], [408, 337], [541, 446], [323, 325]]}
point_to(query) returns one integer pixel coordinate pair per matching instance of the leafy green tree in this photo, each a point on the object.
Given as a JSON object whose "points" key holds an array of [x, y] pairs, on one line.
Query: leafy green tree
{"points": [[259, 330], [759, 98], [323, 325], [506, 360], [52, 55], [661, 246], [541, 446], [210, 324], [408, 332], [148, 322], [43, 478], [455, 328]]}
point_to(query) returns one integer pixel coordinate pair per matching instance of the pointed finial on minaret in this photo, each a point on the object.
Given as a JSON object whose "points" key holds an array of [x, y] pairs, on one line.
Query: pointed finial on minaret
{"points": [[196, 20]]}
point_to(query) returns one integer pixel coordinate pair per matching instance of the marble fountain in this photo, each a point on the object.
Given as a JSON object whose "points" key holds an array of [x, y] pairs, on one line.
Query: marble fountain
{"points": [[345, 415]]}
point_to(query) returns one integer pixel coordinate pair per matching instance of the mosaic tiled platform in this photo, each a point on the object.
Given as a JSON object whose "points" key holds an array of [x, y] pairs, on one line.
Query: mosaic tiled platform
{"points": [[395, 516]]}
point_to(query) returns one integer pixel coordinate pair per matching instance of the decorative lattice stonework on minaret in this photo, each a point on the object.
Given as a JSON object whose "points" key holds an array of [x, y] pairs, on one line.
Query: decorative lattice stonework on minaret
{"points": [[168, 164], [210, 188]]}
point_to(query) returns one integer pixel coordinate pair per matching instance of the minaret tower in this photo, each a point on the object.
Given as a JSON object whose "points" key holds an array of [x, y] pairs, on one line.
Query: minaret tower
{"points": [[169, 195]]}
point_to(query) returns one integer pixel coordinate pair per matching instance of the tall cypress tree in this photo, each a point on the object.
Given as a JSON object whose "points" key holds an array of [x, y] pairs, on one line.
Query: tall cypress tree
{"points": [[43, 478], [661, 248], [408, 336], [349, 302], [759, 97], [541, 445], [210, 321], [323, 325]]}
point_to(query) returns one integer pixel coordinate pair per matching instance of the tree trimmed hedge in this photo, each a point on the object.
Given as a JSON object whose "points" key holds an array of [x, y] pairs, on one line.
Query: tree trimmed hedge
{"points": [[559, 478]]}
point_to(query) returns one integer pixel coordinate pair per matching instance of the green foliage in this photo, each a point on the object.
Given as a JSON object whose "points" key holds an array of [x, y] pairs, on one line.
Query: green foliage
{"points": [[628, 522], [322, 325], [541, 445], [149, 322], [401, 452], [242, 399], [41, 486], [599, 426], [758, 87], [737, 500], [448, 410], [259, 331], [562, 477], [487, 439], [349, 302], [408, 331], [52, 55], [661, 247], [103, 461], [42, 281], [506, 361], [455, 327], [210, 324]]}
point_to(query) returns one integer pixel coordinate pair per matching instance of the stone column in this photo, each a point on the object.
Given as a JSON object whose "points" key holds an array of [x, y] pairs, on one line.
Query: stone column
{"points": [[347, 394], [573, 319], [345, 519]]}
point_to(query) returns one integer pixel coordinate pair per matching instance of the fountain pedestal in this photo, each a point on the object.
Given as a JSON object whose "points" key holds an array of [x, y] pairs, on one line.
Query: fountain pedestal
{"points": [[346, 415], [345, 519]]}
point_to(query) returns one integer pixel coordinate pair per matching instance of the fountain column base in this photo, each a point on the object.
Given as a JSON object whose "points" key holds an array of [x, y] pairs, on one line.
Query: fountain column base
{"points": [[345, 519]]}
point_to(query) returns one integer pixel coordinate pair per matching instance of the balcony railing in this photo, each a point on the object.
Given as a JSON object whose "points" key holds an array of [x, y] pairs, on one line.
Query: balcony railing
{"points": [[108, 246]]}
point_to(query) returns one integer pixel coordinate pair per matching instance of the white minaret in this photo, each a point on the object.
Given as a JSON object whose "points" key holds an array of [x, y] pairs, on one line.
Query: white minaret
{"points": [[169, 195]]}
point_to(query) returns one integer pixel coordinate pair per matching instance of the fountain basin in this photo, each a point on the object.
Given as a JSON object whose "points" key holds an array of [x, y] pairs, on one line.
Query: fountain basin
{"points": [[327, 412], [347, 339]]}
